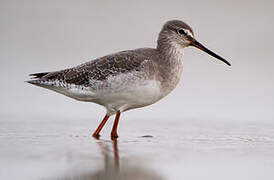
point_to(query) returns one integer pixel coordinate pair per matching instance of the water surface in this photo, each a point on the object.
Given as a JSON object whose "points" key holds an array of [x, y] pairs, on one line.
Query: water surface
{"points": [[54, 148]]}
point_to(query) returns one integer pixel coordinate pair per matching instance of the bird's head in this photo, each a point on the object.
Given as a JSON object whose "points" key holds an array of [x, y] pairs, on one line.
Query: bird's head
{"points": [[176, 33]]}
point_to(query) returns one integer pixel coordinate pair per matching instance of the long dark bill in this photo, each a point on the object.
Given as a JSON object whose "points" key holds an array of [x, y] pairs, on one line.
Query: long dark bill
{"points": [[203, 48]]}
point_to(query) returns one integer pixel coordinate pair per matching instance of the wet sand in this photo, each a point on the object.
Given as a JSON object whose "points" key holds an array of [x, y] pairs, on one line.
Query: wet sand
{"points": [[53, 148]]}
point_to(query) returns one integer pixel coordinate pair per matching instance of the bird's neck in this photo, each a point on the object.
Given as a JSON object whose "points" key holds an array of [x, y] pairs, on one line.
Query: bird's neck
{"points": [[170, 51], [170, 63]]}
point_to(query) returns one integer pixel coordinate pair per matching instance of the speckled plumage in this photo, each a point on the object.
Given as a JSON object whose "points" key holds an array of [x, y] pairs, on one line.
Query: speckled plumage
{"points": [[121, 73], [112, 74], [128, 79]]}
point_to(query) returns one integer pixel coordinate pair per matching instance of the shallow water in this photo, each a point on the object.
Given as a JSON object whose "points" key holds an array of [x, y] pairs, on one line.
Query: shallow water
{"points": [[52, 148]]}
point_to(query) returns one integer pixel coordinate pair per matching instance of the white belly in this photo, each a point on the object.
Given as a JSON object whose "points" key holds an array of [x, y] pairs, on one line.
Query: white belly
{"points": [[121, 94], [134, 96]]}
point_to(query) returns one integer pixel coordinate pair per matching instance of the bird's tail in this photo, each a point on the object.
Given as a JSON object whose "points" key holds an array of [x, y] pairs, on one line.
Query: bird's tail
{"points": [[38, 75], [49, 80], [38, 79]]}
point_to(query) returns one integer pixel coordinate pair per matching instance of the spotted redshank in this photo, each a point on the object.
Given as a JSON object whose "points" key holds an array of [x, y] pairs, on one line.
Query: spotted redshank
{"points": [[127, 79]]}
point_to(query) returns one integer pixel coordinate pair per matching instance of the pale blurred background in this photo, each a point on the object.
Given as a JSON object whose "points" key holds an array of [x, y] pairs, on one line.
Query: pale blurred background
{"points": [[38, 36]]}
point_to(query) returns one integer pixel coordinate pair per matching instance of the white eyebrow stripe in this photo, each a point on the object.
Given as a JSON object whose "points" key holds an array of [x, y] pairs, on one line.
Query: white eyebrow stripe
{"points": [[188, 32]]}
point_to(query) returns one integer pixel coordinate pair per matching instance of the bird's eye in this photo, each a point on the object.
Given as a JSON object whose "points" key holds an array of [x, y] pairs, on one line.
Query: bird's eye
{"points": [[181, 32]]}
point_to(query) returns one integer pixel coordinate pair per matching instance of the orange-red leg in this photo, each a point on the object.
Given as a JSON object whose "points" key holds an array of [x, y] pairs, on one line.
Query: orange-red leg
{"points": [[101, 125], [114, 133]]}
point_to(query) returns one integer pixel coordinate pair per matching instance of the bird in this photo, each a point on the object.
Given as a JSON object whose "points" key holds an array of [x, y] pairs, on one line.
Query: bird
{"points": [[127, 79]]}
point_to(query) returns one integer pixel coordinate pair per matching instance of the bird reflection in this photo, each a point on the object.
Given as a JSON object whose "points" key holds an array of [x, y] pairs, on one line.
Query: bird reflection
{"points": [[106, 152], [116, 168]]}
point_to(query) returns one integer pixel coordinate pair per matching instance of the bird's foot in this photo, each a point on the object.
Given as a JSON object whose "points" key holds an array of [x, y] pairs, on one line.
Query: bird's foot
{"points": [[114, 136], [96, 136]]}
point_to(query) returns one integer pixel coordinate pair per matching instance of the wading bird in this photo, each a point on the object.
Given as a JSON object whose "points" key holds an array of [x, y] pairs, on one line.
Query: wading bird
{"points": [[127, 79]]}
